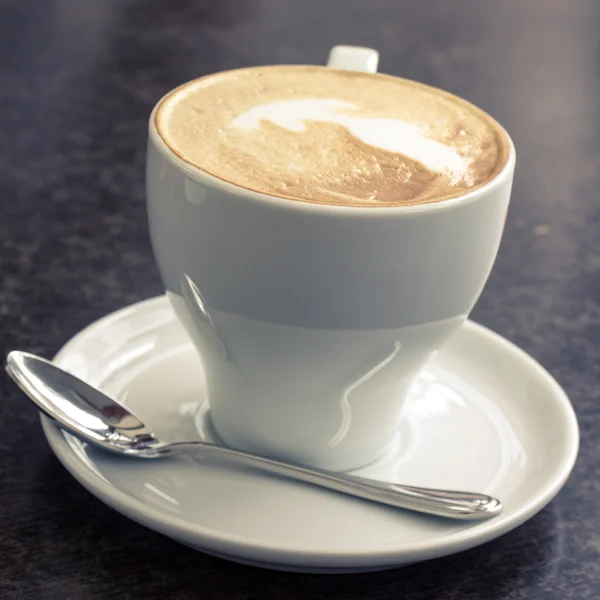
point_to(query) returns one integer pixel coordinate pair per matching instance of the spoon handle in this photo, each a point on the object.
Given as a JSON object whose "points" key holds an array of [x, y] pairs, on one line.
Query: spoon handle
{"points": [[466, 506]]}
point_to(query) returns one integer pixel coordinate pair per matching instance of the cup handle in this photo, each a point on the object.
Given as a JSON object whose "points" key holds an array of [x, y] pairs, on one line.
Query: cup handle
{"points": [[353, 58]]}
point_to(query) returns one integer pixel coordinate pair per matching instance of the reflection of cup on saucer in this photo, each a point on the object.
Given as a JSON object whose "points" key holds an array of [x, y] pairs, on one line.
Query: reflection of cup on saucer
{"points": [[319, 243]]}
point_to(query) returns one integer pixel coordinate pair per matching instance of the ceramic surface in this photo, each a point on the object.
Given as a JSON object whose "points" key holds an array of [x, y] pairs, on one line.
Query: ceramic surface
{"points": [[483, 416]]}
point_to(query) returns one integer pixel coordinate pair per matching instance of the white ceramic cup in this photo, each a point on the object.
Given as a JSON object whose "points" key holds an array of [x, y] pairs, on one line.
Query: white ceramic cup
{"points": [[313, 320]]}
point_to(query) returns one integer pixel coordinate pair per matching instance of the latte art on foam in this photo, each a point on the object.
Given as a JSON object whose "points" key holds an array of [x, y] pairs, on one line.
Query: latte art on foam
{"points": [[336, 137], [391, 135]]}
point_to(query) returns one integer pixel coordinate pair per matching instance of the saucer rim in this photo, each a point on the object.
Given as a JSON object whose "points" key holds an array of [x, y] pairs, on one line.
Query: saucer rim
{"points": [[231, 545]]}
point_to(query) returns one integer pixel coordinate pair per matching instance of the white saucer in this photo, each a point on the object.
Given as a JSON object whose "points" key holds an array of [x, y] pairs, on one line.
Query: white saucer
{"points": [[484, 416]]}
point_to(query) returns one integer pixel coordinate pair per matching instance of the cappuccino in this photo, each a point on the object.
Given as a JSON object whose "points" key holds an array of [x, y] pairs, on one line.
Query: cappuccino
{"points": [[317, 134]]}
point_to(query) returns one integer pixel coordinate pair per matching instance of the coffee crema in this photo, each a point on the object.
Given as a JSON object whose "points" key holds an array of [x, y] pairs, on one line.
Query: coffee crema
{"points": [[328, 136]]}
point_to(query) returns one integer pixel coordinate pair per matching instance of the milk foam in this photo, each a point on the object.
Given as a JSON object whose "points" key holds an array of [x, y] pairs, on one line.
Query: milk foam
{"points": [[391, 135], [336, 137]]}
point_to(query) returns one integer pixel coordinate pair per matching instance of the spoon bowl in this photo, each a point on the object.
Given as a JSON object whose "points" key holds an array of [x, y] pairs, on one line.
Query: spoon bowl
{"points": [[79, 408]]}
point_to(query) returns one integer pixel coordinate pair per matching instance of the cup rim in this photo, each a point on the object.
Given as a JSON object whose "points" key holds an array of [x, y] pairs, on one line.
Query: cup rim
{"points": [[277, 202]]}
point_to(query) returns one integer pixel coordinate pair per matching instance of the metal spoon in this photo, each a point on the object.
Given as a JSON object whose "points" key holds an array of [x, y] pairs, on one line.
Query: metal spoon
{"points": [[93, 417]]}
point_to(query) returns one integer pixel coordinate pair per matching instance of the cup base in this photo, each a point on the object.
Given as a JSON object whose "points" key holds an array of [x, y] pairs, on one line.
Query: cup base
{"points": [[206, 427]]}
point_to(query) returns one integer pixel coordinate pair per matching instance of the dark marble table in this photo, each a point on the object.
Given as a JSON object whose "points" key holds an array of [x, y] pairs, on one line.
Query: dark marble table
{"points": [[77, 82]]}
